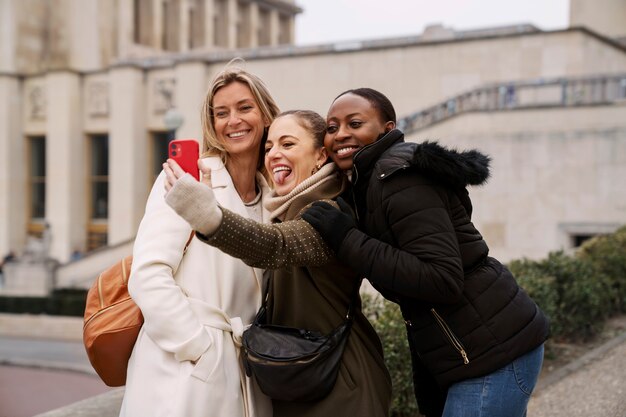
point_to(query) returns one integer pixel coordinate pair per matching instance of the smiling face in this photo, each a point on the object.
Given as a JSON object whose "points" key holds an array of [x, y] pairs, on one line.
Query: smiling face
{"points": [[239, 123], [353, 122], [291, 153]]}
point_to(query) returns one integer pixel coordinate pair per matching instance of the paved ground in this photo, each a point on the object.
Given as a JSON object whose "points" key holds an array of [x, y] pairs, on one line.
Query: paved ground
{"points": [[66, 355], [41, 375], [592, 386], [25, 392]]}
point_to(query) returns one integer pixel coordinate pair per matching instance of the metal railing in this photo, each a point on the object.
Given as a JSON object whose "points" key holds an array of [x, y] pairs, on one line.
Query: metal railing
{"points": [[540, 93]]}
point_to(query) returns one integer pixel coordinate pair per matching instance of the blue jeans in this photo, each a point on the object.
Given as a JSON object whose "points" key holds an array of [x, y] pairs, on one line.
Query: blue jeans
{"points": [[503, 393]]}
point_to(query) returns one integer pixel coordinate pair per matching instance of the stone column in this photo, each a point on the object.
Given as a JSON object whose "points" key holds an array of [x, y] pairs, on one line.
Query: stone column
{"points": [[65, 164], [157, 25], [254, 24], [12, 169], [128, 170], [183, 26], [125, 18], [191, 88], [82, 20], [209, 24], [274, 28], [7, 37], [292, 29], [231, 23]]}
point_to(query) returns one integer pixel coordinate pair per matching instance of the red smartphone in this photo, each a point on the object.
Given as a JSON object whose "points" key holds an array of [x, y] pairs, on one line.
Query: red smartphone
{"points": [[186, 153]]}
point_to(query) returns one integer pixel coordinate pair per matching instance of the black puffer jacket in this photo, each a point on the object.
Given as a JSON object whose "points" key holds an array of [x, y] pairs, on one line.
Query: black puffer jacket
{"points": [[466, 316]]}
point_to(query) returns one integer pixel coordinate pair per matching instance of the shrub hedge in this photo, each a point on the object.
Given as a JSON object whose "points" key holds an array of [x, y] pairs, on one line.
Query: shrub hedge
{"points": [[607, 256], [62, 302], [387, 320], [569, 291]]}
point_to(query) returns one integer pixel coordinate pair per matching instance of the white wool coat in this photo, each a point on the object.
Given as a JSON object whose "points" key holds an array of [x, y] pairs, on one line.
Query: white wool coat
{"points": [[185, 362]]}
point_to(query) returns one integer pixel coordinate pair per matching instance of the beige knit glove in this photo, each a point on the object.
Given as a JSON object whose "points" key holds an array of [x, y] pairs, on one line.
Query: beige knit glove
{"points": [[196, 203]]}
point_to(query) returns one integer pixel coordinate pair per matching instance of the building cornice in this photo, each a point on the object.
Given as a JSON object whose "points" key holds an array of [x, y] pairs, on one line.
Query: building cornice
{"points": [[282, 6], [283, 51], [358, 46]]}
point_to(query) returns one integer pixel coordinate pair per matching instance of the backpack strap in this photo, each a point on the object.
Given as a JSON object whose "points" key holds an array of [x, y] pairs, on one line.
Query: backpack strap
{"points": [[353, 299]]}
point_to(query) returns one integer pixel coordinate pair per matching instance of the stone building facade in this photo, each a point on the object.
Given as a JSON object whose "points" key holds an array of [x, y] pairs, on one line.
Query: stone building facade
{"points": [[83, 104]]}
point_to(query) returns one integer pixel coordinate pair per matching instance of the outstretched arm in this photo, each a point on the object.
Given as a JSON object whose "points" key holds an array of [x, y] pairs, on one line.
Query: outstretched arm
{"points": [[269, 246], [424, 262]]}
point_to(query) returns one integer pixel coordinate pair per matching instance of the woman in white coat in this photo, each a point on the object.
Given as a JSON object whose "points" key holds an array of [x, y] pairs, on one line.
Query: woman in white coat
{"points": [[185, 362]]}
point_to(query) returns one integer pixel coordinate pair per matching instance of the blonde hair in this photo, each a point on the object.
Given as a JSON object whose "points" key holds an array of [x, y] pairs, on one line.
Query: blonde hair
{"points": [[267, 105]]}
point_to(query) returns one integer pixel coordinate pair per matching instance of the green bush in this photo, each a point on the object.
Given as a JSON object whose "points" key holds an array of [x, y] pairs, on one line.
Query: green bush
{"points": [[571, 293], [64, 302], [69, 302], [541, 287], [607, 256], [387, 320], [30, 305]]}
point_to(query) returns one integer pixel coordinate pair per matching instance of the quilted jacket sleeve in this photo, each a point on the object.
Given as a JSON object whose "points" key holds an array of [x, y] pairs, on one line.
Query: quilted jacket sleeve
{"points": [[158, 250], [269, 246], [416, 254]]}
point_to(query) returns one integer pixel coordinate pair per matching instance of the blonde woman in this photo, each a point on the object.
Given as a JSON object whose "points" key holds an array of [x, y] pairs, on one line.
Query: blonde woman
{"points": [[185, 362]]}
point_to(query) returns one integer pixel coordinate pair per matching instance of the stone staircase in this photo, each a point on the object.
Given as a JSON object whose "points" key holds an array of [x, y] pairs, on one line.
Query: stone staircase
{"points": [[530, 94]]}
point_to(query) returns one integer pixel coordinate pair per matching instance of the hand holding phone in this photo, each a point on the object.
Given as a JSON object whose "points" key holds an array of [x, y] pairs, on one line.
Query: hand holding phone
{"points": [[186, 153]]}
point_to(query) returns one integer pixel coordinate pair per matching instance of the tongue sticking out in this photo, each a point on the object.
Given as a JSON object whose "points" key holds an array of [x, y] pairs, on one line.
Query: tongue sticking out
{"points": [[279, 177]]}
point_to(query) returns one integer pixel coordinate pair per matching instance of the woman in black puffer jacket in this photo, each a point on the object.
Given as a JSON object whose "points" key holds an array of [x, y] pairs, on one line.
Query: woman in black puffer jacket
{"points": [[476, 337]]}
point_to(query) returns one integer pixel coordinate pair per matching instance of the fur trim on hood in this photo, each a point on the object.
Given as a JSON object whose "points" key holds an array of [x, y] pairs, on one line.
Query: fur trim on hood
{"points": [[449, 166]]}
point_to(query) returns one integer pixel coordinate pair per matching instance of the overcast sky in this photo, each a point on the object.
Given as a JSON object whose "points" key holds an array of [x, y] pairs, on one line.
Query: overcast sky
{"points": [[328, 21]]}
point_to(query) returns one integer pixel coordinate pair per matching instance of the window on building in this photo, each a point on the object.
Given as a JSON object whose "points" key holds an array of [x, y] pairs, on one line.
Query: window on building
{"points": [[97, 229], [160, 140], [37, 183], [578, 239], [575, 234]]}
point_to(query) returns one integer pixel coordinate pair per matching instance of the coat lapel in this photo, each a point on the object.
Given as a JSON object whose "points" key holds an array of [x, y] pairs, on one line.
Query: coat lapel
{"points": [[226, 195]]}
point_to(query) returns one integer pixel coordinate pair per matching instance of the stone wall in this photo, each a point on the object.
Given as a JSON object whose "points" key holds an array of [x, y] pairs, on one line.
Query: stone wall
{"points": [[556, 173], [128, 102]]}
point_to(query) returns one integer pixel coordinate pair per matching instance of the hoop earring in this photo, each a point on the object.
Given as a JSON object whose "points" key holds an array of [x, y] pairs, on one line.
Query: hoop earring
{"points": [[317, 168]]}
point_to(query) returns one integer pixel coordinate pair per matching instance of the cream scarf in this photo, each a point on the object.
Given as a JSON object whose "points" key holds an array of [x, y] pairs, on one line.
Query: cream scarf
{"points": [[278, 205]]}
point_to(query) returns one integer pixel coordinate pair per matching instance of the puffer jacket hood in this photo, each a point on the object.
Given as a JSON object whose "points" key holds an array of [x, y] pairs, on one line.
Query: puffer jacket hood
{"points": [[450, 167]]}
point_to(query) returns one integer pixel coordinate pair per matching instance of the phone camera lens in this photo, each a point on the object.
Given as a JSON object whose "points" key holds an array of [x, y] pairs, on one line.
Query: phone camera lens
{"points": [[173, 153]]}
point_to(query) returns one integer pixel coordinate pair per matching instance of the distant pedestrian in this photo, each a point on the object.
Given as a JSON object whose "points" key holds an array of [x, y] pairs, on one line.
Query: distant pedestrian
{"points": [[7, 258]]}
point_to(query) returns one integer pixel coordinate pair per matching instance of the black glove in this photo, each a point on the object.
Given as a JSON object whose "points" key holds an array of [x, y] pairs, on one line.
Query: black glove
{"points": [[331, 223]]}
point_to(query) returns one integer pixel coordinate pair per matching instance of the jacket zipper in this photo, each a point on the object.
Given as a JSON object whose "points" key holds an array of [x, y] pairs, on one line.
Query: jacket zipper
{"points": [[355, 177], [456, 343]]}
